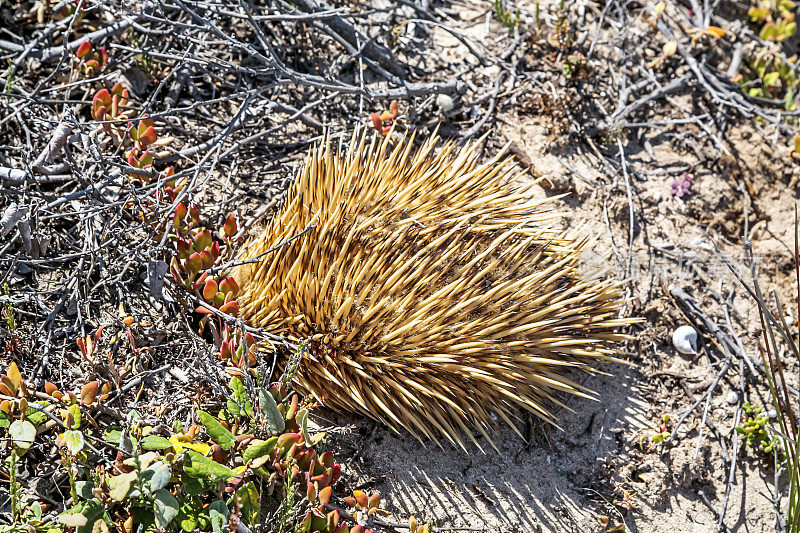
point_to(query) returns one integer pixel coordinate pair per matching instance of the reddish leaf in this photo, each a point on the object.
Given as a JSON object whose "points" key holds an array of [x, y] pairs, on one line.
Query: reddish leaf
{"points": [[210, 289], [230, 308], [193, 264], [89, 392], [214, 250], [376, 121], [225, 350], [194, 214], [102, 97], [333, 519], [230, 227], [325, 495], [327, 459], [14, 375], [119, 90], [99, 113], [180, 215], [374, 500], [83, 49], [115, 105], [229, 285], [207, 258], [202, 240], [361, 497], [148, 137]]}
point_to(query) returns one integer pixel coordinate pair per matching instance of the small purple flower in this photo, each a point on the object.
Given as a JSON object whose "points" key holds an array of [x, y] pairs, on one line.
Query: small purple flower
{"points": [[682, 186]]}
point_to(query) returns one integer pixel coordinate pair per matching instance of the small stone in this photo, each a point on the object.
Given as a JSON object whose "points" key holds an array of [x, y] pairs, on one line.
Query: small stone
{"points": [[732, 398], [684, 339], [772, 414], [445, 103]]}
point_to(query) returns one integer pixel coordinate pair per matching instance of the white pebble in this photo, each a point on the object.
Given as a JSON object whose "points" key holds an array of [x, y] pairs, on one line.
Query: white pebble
{"points": [[445, 103], [772, 413], [733, 398], [684, 339]]}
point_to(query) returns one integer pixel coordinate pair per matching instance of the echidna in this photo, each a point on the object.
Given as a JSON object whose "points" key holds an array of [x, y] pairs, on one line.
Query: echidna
{"points": [[434, 296]]}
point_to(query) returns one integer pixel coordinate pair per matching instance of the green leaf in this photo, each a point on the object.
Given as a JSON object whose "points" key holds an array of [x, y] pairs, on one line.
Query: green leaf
{"points": [[218, 433], [91, 509], [188, 524], [155, 442], [302, 421], [35, 511], [240, 403], [84, 489], [76, 415], [23, 433], [768, 32], [771, 78], [119, 486], [165, 506], [239, 392], [74, 441], [248, 500], [259, 450], [218, 512], [757, 14], [160, 477], [191, 485], [143, 516], [114, 436], [193, 515], [197, 465], [269, 410], [36, 416]]}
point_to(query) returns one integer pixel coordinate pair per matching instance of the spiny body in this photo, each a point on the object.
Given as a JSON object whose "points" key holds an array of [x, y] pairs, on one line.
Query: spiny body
{"points": [[434, 294]]}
